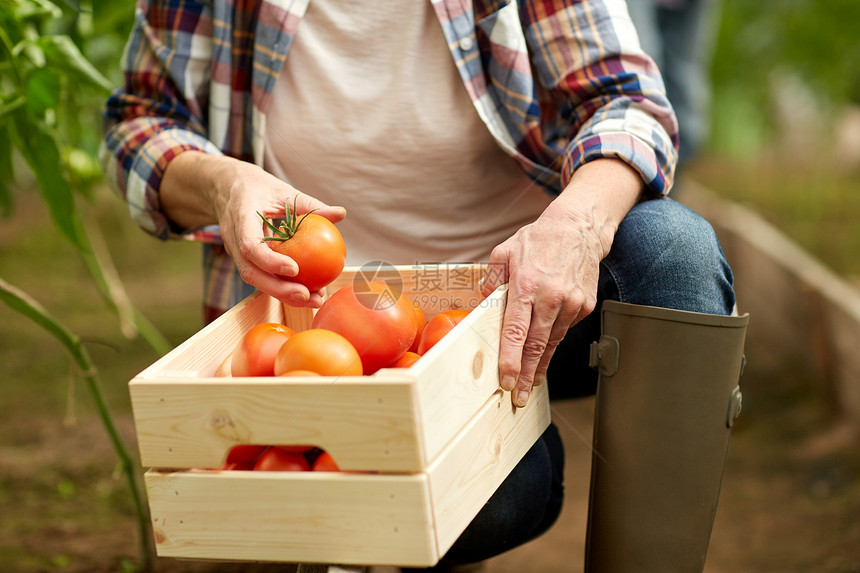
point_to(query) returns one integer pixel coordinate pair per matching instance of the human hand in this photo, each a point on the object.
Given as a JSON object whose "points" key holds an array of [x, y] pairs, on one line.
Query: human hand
{"points": [[201, 189], [552, 269]]}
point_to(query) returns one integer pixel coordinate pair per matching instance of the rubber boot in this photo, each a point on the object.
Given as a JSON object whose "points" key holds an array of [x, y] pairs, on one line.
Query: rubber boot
{"points": [[666, 400]]}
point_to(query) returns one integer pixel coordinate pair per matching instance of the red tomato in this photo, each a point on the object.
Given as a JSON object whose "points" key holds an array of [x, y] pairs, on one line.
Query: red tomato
{"points": [[243, 457], [322, 351], [439, 326], [277, 459], [325, 463], [255, 353], [313, 242], [420, 323], [406, 360], [378, 320]]}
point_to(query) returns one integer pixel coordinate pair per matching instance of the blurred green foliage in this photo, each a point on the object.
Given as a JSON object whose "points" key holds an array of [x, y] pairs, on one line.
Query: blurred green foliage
{"points": [[814, 42], [58, 62]]}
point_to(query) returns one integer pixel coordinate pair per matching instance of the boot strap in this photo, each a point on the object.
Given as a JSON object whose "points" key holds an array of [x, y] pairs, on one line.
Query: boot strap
{"points": [[604, 354]]}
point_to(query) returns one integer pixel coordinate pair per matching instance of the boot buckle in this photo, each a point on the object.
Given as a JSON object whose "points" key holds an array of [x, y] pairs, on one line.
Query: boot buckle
{"points": [[603, 355]]}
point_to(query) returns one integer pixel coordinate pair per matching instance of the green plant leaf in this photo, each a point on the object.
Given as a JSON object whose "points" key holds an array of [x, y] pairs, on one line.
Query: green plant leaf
{"points": [[63, 55], [42, 155], [27, 9], [43, 91], [7, 174]]}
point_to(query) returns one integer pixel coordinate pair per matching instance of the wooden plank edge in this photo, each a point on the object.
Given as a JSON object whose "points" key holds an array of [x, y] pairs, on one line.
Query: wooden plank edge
{"points": [[307, 517], [473, 466]]}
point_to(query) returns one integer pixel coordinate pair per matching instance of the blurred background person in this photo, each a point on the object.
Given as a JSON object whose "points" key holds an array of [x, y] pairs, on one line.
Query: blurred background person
{"points": [[680, 36]]}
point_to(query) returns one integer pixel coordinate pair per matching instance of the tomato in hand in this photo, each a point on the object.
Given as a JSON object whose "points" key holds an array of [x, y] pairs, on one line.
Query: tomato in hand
{"points": [[378, 320], [255, 353], [406, 360], [322, 351], [325, 463], [439, 326], [276, 459], [313, 242]]}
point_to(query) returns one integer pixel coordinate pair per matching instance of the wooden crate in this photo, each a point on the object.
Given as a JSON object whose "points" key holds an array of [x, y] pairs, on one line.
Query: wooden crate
{"points": [[440, 437]]}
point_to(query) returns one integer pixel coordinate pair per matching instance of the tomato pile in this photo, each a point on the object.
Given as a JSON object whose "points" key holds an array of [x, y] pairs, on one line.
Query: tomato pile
{"points": [[347, 338]]}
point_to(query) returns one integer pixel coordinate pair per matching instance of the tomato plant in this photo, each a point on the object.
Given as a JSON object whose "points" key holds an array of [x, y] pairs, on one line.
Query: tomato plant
{"points": [[325, 463], [255, 353], [313, 242], [379, 322], [277, 459], [439, 326], [317, 350]]}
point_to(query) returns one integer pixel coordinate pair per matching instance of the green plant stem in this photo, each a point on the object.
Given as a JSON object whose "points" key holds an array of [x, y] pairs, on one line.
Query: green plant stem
{"points": [[23, 303], [7, 109], [9, 49]]}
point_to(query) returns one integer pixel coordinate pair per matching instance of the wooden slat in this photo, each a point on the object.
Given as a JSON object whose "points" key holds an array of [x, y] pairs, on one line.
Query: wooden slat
{"points": [[307, 517], [458, 375], [202, 353], [363, 423], [472, 467]]}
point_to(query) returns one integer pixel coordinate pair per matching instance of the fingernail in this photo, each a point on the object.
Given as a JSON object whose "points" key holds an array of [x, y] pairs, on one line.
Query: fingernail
{"points": [[540, 380], [288, 271], [508, 382], [522, 398], [300, 297]]}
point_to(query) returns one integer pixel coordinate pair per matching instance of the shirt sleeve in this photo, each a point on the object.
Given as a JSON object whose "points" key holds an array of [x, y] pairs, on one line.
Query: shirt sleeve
{"points": [[607, 95], [158, 113]]}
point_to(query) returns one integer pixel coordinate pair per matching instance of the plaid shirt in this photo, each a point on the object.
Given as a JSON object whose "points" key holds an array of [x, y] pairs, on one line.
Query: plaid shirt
{"points": [[557, 83]]}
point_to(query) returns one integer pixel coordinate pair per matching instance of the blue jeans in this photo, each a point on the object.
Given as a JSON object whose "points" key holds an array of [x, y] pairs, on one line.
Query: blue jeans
{"points": [[663, 255]]}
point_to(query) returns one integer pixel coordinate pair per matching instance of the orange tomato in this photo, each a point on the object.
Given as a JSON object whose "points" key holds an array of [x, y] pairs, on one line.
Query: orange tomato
{"points": [[439, 326], [317, 350], [313, 242], [325, 463], [406, 360], [255, 353], [420, 323], [300, 373]]}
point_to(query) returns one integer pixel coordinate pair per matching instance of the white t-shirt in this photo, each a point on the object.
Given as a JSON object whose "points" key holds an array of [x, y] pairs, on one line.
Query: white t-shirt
{"points": [[387, 130]]}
